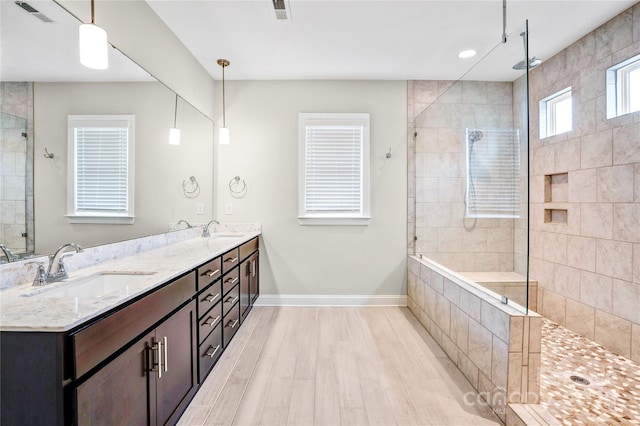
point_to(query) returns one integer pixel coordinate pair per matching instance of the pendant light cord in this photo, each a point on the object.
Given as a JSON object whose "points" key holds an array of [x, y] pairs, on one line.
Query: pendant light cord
{"points": [[223, 99], [175, 113]]}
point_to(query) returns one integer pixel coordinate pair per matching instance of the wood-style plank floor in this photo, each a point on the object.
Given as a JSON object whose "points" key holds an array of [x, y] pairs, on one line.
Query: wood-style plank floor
{"points": [[335, 366]]}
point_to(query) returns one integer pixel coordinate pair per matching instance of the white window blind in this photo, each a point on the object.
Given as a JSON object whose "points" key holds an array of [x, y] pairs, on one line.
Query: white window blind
{"points": [[100, 169], [334, 167], [493, 173]]}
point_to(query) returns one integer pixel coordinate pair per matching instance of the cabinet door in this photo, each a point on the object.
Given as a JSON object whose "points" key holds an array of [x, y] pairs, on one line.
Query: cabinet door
{"points": [[245, 281], [118, 393], [178, 379], [254, 284]]}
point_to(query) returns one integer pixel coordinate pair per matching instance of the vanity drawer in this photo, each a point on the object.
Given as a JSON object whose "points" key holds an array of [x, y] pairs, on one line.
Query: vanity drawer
{"points": [[230, 299], [249, 247], [209, 321], [231, 323], [209, 297], [208, 273], [230, 280], [209, 351], [230, 259]]}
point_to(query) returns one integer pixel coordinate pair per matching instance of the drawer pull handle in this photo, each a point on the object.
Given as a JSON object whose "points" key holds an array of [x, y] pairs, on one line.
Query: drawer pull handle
{"points": [[164, 345], [210, 297], [232, 324], [210, 273], [211, 351], [231, 300], [211, 321], [231, 260], [231, 280], [156, 349]]}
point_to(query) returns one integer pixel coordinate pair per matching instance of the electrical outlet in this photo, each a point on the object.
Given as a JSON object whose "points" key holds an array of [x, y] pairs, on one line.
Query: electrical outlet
{"points": [[200, 208], [228, 208]]}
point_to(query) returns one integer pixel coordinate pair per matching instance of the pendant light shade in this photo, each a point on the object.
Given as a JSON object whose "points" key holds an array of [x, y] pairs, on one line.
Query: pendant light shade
{"points": [[223, 132], [174, 132], [94, 47]]}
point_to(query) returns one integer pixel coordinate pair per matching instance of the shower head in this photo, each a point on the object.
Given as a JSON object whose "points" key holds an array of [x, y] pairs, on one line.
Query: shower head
{"points": [[475, 136], [533, 62]]}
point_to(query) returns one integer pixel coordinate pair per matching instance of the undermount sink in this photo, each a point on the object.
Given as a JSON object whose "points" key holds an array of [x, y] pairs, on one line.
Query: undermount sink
{"points": [[96, 285]]}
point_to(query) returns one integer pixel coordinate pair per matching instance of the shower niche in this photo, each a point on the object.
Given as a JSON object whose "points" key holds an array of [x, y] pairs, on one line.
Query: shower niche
{"points": [[556, 197]]}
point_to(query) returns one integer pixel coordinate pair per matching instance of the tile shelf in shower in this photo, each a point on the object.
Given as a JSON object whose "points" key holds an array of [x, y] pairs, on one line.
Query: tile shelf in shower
{"points": [[556, 195]]}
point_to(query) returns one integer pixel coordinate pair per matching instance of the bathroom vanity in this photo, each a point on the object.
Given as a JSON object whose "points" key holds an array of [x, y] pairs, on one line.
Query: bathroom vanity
{"points": [[135, 354]]}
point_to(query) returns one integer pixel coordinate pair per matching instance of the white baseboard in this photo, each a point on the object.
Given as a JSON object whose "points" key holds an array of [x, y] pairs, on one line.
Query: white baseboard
{"points": [[330, 300]]}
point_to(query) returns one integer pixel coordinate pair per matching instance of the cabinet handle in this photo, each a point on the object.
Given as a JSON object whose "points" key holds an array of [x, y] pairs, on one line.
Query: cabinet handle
{"points": [[253, 268], [164, 345], [231, 300], [210, 297], [232, 324], [231, 260], [212, 323], [211, 353], [210, 273], [157, 355], [231, 280]]}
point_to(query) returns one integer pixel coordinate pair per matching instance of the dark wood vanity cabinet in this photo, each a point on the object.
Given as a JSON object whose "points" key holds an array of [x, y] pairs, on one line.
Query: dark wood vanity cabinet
{"points": [[139, 364]]}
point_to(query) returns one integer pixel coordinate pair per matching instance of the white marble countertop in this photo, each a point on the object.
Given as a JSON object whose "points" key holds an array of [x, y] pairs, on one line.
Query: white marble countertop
{"points": [[36, 313]]}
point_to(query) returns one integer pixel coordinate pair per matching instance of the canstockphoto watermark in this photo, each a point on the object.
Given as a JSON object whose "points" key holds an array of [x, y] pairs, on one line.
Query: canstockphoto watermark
{"points": [[497, 398]]}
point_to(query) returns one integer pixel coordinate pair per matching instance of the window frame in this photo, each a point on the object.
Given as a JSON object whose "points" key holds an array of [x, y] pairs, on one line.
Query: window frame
{"points": [[618, 87], [548, 113], [361, 218], [99, 217]]}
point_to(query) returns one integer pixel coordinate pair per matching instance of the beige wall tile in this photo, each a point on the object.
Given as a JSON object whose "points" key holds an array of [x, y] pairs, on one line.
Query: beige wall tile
{"points": [[437, 282], [487, 262], [427, 190], [581, 252], [430, 297], [535, 334], [636, 263], [614, 333], [614, 35], [451, 291], [449, 347], [615, 184], [470, 304], [596, 290], [626, 222], [516, 333], [459, 328], [468, 368], [450, 190], [567, 281], [495, 320], [626, 300], [555, 247], [596, 150], [636, 22], [514, 378], [626, 144], [582, 186], [474, 240], [596, 220], [554, 307], [567, 155], [635, 342], [443, 313], [636, 176], [436, 165], [500, 240], [615, 259], [480, 346], [543, 161], [499, 362], [435, 215], [581, 318]]}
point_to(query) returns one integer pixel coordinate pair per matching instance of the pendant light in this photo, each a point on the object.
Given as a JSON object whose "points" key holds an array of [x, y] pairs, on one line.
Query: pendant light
{"points": [[223, 132], [174, 132], [94, 52]]}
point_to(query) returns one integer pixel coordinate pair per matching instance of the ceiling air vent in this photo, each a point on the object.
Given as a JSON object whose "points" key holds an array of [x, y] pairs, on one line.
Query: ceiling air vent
{"points": [[32, 11], [281, 10]]}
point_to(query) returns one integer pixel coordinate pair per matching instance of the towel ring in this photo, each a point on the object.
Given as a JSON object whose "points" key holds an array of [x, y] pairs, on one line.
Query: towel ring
{"points": [[237, 191], [194, 187]]}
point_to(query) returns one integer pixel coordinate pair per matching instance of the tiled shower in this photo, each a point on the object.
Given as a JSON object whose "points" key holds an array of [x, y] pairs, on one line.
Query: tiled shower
{"points": [[583, 238]]}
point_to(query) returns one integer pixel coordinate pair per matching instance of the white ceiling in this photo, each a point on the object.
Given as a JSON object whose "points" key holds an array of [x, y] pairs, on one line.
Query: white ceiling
{"points": [[382, 39]]}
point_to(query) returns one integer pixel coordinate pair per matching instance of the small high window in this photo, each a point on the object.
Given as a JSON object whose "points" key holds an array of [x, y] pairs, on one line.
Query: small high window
{"points": [[623, 87], [100, 174], [556, 114], [334, 169]]}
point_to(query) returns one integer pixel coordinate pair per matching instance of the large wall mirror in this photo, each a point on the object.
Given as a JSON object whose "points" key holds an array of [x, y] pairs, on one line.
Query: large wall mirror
{"points": [[42, 84]]}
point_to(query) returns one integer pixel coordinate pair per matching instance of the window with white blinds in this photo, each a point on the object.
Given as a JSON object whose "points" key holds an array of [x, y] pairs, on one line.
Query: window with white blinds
{"points": [[493, 173], [334, 169], [101, 169]]}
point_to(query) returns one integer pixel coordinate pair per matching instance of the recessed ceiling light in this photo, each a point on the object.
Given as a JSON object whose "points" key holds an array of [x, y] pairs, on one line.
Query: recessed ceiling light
{"points": [[466, 54]]}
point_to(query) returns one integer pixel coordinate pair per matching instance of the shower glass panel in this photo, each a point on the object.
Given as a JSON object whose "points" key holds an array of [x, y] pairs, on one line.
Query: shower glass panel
{"points": [[13, 158], [471, 169]]}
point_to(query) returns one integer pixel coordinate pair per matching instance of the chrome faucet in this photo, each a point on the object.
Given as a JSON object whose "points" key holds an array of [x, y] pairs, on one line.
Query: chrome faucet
{"points": [[205, 230], [57, 270], [8, 254], [185, 222]]}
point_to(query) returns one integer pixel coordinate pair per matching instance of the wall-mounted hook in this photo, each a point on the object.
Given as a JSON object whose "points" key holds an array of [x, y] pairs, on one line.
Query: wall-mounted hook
{"points": [[48, 154], [388, 154]]}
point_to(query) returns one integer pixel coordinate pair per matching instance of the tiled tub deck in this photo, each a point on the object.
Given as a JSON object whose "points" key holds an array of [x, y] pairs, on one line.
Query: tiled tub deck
{"points": [[496, 346]]}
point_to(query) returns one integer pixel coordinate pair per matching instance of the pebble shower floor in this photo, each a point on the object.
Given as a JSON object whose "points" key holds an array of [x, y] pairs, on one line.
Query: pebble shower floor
{"points": [[612, 395]]}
